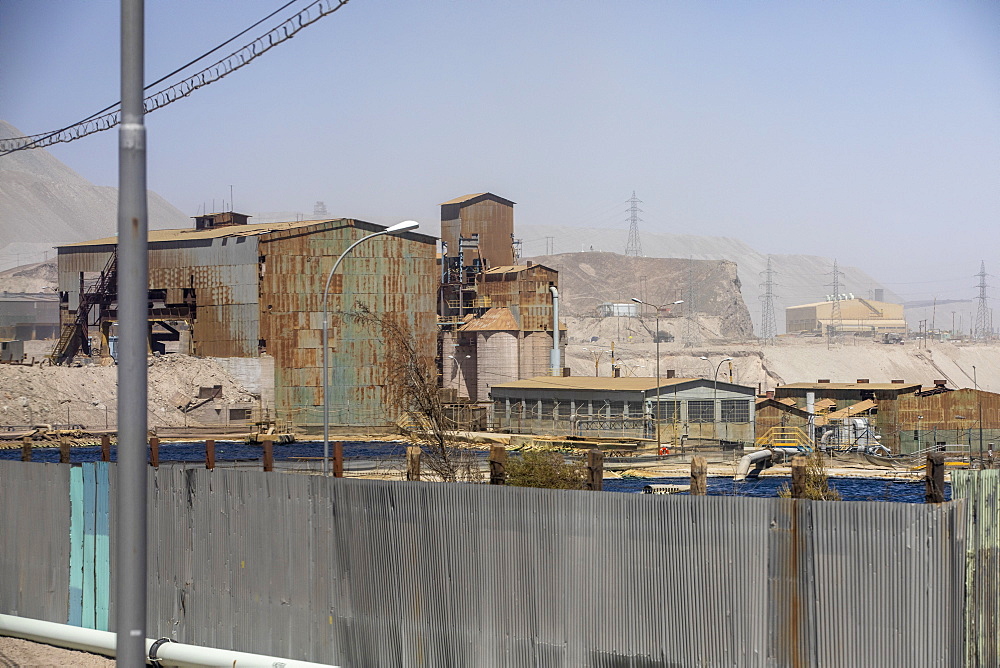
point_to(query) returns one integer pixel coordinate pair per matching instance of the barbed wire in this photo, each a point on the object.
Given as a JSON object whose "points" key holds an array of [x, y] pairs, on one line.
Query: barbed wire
{"points": [[110, 116]]}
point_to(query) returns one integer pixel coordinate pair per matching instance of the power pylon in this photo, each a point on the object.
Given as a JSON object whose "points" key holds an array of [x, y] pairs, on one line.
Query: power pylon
{"points": [[983, 325], [768, 329], [633, 247], [689, 323], [836, 320]]}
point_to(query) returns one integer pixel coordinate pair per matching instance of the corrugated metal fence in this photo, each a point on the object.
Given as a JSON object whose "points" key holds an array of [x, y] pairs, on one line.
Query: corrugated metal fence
{"points": [[366, 573]]}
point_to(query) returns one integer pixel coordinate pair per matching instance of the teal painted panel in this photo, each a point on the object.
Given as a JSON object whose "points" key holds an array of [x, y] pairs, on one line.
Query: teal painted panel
{"points": [[75, 616], [89, 521], [102, 549]]}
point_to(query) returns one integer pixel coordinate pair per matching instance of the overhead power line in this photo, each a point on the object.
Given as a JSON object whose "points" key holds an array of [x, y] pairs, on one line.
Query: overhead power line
{"points": [[109, 117]]}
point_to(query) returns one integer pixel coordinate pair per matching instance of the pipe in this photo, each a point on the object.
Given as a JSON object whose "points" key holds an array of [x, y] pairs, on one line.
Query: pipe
{"points": [[167, 654], [743, 468], [554, 360], [811, 409]]}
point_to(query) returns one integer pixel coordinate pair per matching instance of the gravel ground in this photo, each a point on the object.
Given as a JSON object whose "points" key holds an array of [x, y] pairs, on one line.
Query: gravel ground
{"points": [[18, 652]]}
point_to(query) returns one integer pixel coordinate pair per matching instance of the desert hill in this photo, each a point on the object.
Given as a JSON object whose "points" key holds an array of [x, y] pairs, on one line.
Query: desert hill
{"points": [[44, 203]]}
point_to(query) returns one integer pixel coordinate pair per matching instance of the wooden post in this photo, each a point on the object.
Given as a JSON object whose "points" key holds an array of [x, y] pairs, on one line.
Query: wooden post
{"points": [[799, 464], [64, 449], [934, 478], [338, 459], [154, 452], [268, 453], [26, 449], [106, 448], [595, 470], [699, 474], [210, 454], [498, 465], [413, 462]]}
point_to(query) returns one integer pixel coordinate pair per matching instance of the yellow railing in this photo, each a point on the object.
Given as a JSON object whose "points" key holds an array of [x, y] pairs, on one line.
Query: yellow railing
{"points": [[784, 437]]}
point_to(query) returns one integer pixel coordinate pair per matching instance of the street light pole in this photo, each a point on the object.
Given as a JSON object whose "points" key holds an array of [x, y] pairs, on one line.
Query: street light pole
{"points": [[656, 338], [395, 229], [715, 395]]}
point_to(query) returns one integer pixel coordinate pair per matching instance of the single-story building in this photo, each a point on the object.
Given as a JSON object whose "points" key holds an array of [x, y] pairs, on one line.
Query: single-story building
{"points": [[685, 409]]}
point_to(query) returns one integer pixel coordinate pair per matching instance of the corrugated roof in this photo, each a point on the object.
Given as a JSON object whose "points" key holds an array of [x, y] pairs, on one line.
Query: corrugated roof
{"points": [[631, 383], [192, 234], [495, 320], [514, 268], [852, 410], [466, 198], [902, 387]]}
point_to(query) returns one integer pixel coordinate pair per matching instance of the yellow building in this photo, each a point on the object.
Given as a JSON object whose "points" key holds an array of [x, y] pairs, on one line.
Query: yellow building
{"points": [[856, 315]]}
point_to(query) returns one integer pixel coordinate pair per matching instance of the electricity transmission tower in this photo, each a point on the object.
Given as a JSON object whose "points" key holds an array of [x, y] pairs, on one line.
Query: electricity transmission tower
{"points": [[836, 320], [633, 247], [689, 324], [768, 329], [983, 325]]}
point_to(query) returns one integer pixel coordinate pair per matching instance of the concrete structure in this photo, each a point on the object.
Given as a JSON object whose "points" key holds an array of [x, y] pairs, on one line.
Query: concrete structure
{"points": [[856, 315], [29, 316], [690, 409], [255, 292]]}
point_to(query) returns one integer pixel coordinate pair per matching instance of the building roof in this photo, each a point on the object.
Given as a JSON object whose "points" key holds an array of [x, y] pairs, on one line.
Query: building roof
{"points": [[192, 234], [842, 301], [497, 319], [514, 268], [629, 384], [899, 387], [466, 198]]}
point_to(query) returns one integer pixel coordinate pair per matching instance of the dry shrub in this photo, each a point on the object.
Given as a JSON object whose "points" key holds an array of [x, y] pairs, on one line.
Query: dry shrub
{"points": [[545, 469], [817, 484]]}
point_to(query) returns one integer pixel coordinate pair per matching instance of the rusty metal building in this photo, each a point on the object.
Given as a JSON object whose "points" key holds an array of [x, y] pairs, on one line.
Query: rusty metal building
{"points": [[254, 293], [940, 416], [495, 317], [886, 395]]}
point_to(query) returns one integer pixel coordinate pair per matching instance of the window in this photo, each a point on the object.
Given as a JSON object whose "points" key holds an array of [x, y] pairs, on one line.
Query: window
{"points": [[669, 411], [701, 411], [239, 414], [735, 410]]}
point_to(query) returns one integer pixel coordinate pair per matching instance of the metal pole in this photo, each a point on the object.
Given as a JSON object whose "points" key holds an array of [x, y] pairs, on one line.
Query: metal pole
{"points": [[398, 227], [130, 594], [656, 335]]}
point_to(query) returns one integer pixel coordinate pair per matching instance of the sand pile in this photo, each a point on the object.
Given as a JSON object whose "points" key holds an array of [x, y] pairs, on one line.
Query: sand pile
{"points": [[87, 395]]}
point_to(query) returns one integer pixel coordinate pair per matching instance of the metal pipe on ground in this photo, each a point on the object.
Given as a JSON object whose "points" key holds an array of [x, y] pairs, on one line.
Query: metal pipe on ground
{"points": [[166, 654]]}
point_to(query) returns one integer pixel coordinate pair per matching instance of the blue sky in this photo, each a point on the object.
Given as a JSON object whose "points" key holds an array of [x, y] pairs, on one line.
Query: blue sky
{"points": [[866, 131]]}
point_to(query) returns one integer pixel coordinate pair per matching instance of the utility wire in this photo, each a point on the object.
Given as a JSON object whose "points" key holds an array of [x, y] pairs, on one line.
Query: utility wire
{"points": [[106, 119]]}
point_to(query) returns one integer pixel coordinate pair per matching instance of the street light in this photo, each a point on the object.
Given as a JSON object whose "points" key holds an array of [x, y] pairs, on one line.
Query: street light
{"points": [[715, 394], [404, 226], [656, 337]]}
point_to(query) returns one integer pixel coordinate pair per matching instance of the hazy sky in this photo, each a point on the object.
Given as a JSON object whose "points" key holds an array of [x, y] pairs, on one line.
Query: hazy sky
{"points": [[866, 131]]}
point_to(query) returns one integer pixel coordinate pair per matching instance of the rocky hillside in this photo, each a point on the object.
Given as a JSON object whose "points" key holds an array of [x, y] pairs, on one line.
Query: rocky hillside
{"points": [[33, 278], [44, 203], [710, 289]]}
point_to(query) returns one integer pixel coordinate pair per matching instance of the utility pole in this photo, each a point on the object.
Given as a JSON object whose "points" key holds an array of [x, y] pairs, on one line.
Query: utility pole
{"points": [[133, 291], [633, 247], [983, 313], [768, 329]]}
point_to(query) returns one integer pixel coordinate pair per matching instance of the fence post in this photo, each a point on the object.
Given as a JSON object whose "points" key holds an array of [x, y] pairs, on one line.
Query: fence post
{"points": [[699, 473], [106, 448], [595, 470], [268, 454], [498, 465], [338, 459], [413, 462], [798, 477], [64, 449], [210, 454], [26, 449], [154, 452], [934, 478]]}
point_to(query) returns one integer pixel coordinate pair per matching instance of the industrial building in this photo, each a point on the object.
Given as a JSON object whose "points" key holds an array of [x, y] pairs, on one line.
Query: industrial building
{"points": [[689, 410], [27, 316], [496, 317], [856, 315], [251, 296]]}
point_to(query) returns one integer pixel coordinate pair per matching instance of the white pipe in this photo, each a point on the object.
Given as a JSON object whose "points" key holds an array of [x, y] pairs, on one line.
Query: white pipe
{"points": [[169, 654], [743, 468], [554, 360]]}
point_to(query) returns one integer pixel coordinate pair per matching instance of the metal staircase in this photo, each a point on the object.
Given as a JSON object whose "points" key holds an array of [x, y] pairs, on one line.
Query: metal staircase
{"points": [[74, 335]]}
